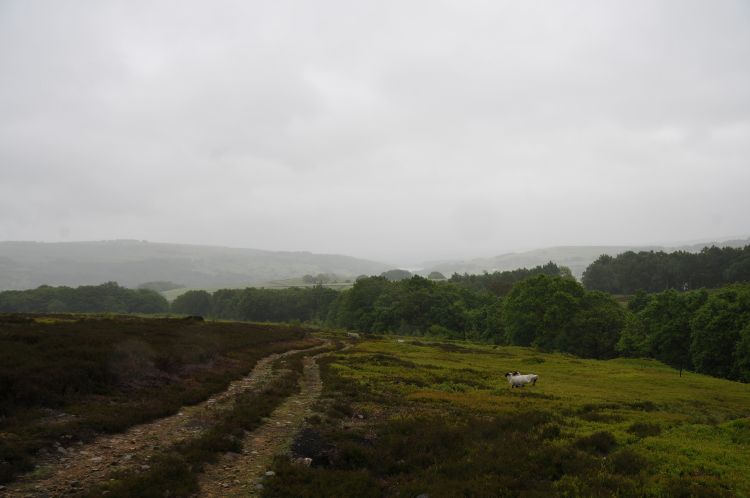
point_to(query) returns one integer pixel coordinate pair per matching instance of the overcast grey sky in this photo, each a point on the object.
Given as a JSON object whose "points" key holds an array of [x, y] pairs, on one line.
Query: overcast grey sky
{"points": [[394, 130]]}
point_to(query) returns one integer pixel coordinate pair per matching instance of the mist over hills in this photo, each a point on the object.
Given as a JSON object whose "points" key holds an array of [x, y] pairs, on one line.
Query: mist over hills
{"points": [[577, 258], [26, 265]]}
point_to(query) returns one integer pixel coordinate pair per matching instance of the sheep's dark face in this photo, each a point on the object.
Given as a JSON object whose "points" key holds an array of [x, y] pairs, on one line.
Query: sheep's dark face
{"points": [[508, 375]]}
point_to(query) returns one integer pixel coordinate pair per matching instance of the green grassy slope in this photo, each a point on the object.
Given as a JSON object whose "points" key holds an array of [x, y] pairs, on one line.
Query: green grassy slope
{"points": [[588, 428]]}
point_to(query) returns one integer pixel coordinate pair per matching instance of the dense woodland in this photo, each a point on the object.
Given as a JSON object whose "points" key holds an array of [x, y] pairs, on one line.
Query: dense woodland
{"points": [[500, 283], [707, 331], [108, 297], [307, 304], [649, 271]]}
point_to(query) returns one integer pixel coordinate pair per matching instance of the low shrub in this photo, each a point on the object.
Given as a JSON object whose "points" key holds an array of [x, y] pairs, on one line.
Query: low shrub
{"points": [[600, 443], [644, 429]]}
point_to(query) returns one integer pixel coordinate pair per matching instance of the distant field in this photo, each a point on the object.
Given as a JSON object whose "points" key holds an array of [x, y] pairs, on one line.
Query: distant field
{"points": [[407, 417], [71, 377]]}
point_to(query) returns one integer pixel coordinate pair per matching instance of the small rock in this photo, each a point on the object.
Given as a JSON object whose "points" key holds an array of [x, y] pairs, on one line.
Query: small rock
{"points": [[224, 485], [270, 473], [62, 450], [423, 495], [145, 467], [96, 459], [258, 486], [127, 456]]}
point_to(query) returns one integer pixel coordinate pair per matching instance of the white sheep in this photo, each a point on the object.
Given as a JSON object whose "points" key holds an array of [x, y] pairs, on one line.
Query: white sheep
{"points": [[515, 379]]}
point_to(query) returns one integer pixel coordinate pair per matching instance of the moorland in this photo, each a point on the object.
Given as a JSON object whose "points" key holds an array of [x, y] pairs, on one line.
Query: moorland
{"points": [[116, 391], [398, 415]]}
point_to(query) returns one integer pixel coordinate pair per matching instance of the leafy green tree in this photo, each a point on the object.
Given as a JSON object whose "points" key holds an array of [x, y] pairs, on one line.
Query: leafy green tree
{"points": [[666, 319], [499, 283], [634, 340], [356, 308], [225, 304], [597, 327], [193, 302], [146, 301], [657, 271], [107, 297], [716, 331], [742, 355], [739, 271], [485, 321], [556, 313], [639, 301], [601, 275], [541, 310]]}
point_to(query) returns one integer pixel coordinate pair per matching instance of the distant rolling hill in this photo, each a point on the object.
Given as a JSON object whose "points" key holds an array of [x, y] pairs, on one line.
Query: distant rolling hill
{"points": [[577, 258], [26, 265]]}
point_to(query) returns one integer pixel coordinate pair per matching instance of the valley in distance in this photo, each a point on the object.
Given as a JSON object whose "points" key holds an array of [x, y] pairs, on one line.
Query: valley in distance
{"points": [[282, 374]]}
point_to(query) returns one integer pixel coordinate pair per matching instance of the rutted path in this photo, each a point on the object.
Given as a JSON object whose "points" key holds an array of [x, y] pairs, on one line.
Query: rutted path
{"points": [[83, 466], [243, 474]]}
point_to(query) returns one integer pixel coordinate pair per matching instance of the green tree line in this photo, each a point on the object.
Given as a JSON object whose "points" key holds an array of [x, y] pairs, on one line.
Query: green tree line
{"points": [[107, 297], [703, 331], [708, 332], [500, 283], [309, 304], [652, 271], [546, 311]]}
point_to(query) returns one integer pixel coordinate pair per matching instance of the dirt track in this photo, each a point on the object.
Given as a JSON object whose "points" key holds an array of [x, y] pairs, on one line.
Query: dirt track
{"points": [[80, 467], [243, 474]]}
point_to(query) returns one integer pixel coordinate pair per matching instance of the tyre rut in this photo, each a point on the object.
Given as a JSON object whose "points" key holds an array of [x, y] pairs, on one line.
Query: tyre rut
{"points": [[87, 465], [243, 474]]}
